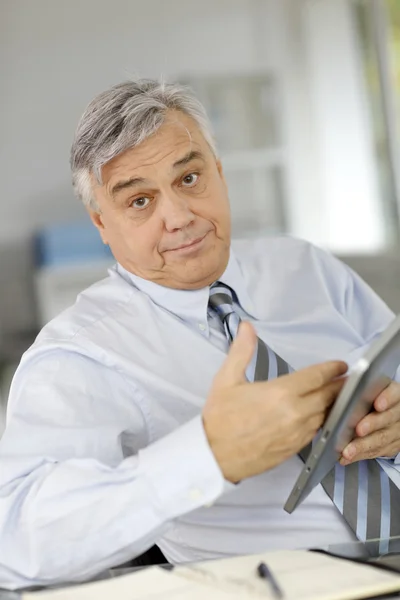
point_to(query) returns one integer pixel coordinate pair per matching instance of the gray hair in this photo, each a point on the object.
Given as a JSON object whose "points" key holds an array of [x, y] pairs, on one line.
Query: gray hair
{"points": [[121, 118]]}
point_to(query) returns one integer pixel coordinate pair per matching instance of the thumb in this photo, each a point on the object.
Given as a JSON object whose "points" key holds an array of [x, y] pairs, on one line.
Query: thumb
{"points": [[233, 370]]}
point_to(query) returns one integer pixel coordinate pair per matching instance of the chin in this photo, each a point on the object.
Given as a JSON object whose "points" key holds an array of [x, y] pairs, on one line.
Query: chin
{"points": [[199, 273]]}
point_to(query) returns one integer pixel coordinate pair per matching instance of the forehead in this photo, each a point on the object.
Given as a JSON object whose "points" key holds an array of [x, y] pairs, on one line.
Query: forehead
{"points": [[177, 136]]}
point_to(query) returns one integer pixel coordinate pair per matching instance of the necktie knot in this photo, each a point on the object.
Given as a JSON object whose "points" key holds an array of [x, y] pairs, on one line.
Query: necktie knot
{"points": [[221, 299]]}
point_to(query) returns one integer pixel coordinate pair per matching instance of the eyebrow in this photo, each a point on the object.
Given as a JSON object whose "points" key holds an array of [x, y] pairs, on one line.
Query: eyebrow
{"points": [[122, 185], [192, 155], [133, 181]]}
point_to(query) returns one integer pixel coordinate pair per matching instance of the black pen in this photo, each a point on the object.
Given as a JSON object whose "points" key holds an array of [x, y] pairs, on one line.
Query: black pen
{"points": [[264, 572]]}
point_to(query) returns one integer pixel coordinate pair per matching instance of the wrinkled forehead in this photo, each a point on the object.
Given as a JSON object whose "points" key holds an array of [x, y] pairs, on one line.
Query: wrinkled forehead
{"points": [[175, 138]]}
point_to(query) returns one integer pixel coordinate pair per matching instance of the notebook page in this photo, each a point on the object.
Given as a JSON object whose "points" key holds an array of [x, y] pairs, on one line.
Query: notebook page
{"points": [[149, 584], [301, 575]]}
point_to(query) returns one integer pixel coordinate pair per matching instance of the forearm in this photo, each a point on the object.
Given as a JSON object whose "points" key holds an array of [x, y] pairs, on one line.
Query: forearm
{"points": [[68, 520]]}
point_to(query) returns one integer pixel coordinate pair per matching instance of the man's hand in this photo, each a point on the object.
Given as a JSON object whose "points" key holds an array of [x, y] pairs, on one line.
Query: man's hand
{"points": [[253, 427], [378, 434]]}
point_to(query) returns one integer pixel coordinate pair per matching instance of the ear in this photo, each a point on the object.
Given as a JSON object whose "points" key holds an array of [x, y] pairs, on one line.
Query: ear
{"points": [[97, 220]]}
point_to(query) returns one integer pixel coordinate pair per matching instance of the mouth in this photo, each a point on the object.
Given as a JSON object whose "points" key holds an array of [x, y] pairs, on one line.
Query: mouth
{"points": [[191, 246]]}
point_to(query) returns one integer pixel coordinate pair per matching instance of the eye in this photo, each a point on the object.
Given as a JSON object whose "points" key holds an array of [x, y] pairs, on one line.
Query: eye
{"points": [[141, 202], [190, 180]]}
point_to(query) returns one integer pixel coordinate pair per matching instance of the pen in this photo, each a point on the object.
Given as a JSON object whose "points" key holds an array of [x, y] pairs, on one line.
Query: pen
{"points": [[265, 573]]}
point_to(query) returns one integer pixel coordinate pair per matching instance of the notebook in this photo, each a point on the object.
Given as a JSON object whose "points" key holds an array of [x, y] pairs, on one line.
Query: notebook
{"points": [[302, 575], [152, 583]]}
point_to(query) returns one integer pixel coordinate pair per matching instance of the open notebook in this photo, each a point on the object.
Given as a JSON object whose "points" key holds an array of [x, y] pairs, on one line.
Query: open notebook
{"points": [[302, 575]]}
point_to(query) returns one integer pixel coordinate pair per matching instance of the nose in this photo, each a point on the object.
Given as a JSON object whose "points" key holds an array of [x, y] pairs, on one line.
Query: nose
{"points": [[175, 212]]}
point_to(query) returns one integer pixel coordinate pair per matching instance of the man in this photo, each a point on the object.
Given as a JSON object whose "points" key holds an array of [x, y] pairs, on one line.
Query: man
{"points": [[128, 425]]}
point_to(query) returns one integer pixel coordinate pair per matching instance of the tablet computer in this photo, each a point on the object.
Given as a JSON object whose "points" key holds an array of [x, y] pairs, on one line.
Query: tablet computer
{"points": [[367, 379]]}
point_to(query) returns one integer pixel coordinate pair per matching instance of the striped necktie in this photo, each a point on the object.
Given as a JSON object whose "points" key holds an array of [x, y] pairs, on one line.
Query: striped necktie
{"points": [[363, 493]]}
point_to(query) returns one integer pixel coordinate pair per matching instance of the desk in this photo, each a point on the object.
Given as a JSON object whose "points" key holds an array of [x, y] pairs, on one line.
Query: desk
{"points": [[371, 550]]}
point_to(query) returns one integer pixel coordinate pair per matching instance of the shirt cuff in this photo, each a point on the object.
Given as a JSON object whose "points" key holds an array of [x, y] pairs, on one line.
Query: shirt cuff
{"points": [[182, 470], [395, 458]]}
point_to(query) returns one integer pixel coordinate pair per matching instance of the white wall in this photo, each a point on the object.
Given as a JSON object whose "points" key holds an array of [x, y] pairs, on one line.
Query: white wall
{"points": [[345, 161], [305, 189], [57, 55], [334, 196]]}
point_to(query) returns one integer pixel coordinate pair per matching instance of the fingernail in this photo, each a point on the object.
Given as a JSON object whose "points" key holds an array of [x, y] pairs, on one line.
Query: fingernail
{"points": [[344, 462], [364, 429], [383, 404], [349, 452]]}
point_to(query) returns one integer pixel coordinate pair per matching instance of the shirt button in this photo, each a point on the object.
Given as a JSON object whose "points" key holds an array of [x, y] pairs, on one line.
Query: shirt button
{"points": [[202, 327], [195, 494]]}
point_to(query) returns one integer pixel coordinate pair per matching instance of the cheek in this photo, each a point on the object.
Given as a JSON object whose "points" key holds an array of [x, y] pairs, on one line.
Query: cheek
{"points": [[142, 238], [136, 247], [218, 213], [214, 205]]}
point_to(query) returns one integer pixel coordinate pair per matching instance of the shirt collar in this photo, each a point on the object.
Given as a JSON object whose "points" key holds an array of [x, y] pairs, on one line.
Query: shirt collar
{"points": [[191, 305]]}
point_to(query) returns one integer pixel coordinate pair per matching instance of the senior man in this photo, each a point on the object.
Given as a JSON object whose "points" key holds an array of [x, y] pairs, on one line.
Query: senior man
{"points": [[128, 424]]}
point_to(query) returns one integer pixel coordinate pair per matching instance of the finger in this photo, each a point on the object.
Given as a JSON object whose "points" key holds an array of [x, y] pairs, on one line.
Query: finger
{"points": [[376, 421], [313, 425], [385, 442], [388, 398], [312, 378], [233, 370], [321, 400]]}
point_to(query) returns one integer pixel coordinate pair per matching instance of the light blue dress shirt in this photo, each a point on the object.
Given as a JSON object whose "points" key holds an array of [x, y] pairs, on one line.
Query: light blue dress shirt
{"points": [[105, 454]]}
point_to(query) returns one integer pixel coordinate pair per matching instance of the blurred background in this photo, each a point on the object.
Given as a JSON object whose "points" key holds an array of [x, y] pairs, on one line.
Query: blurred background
{"points": [[304, 96]]}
